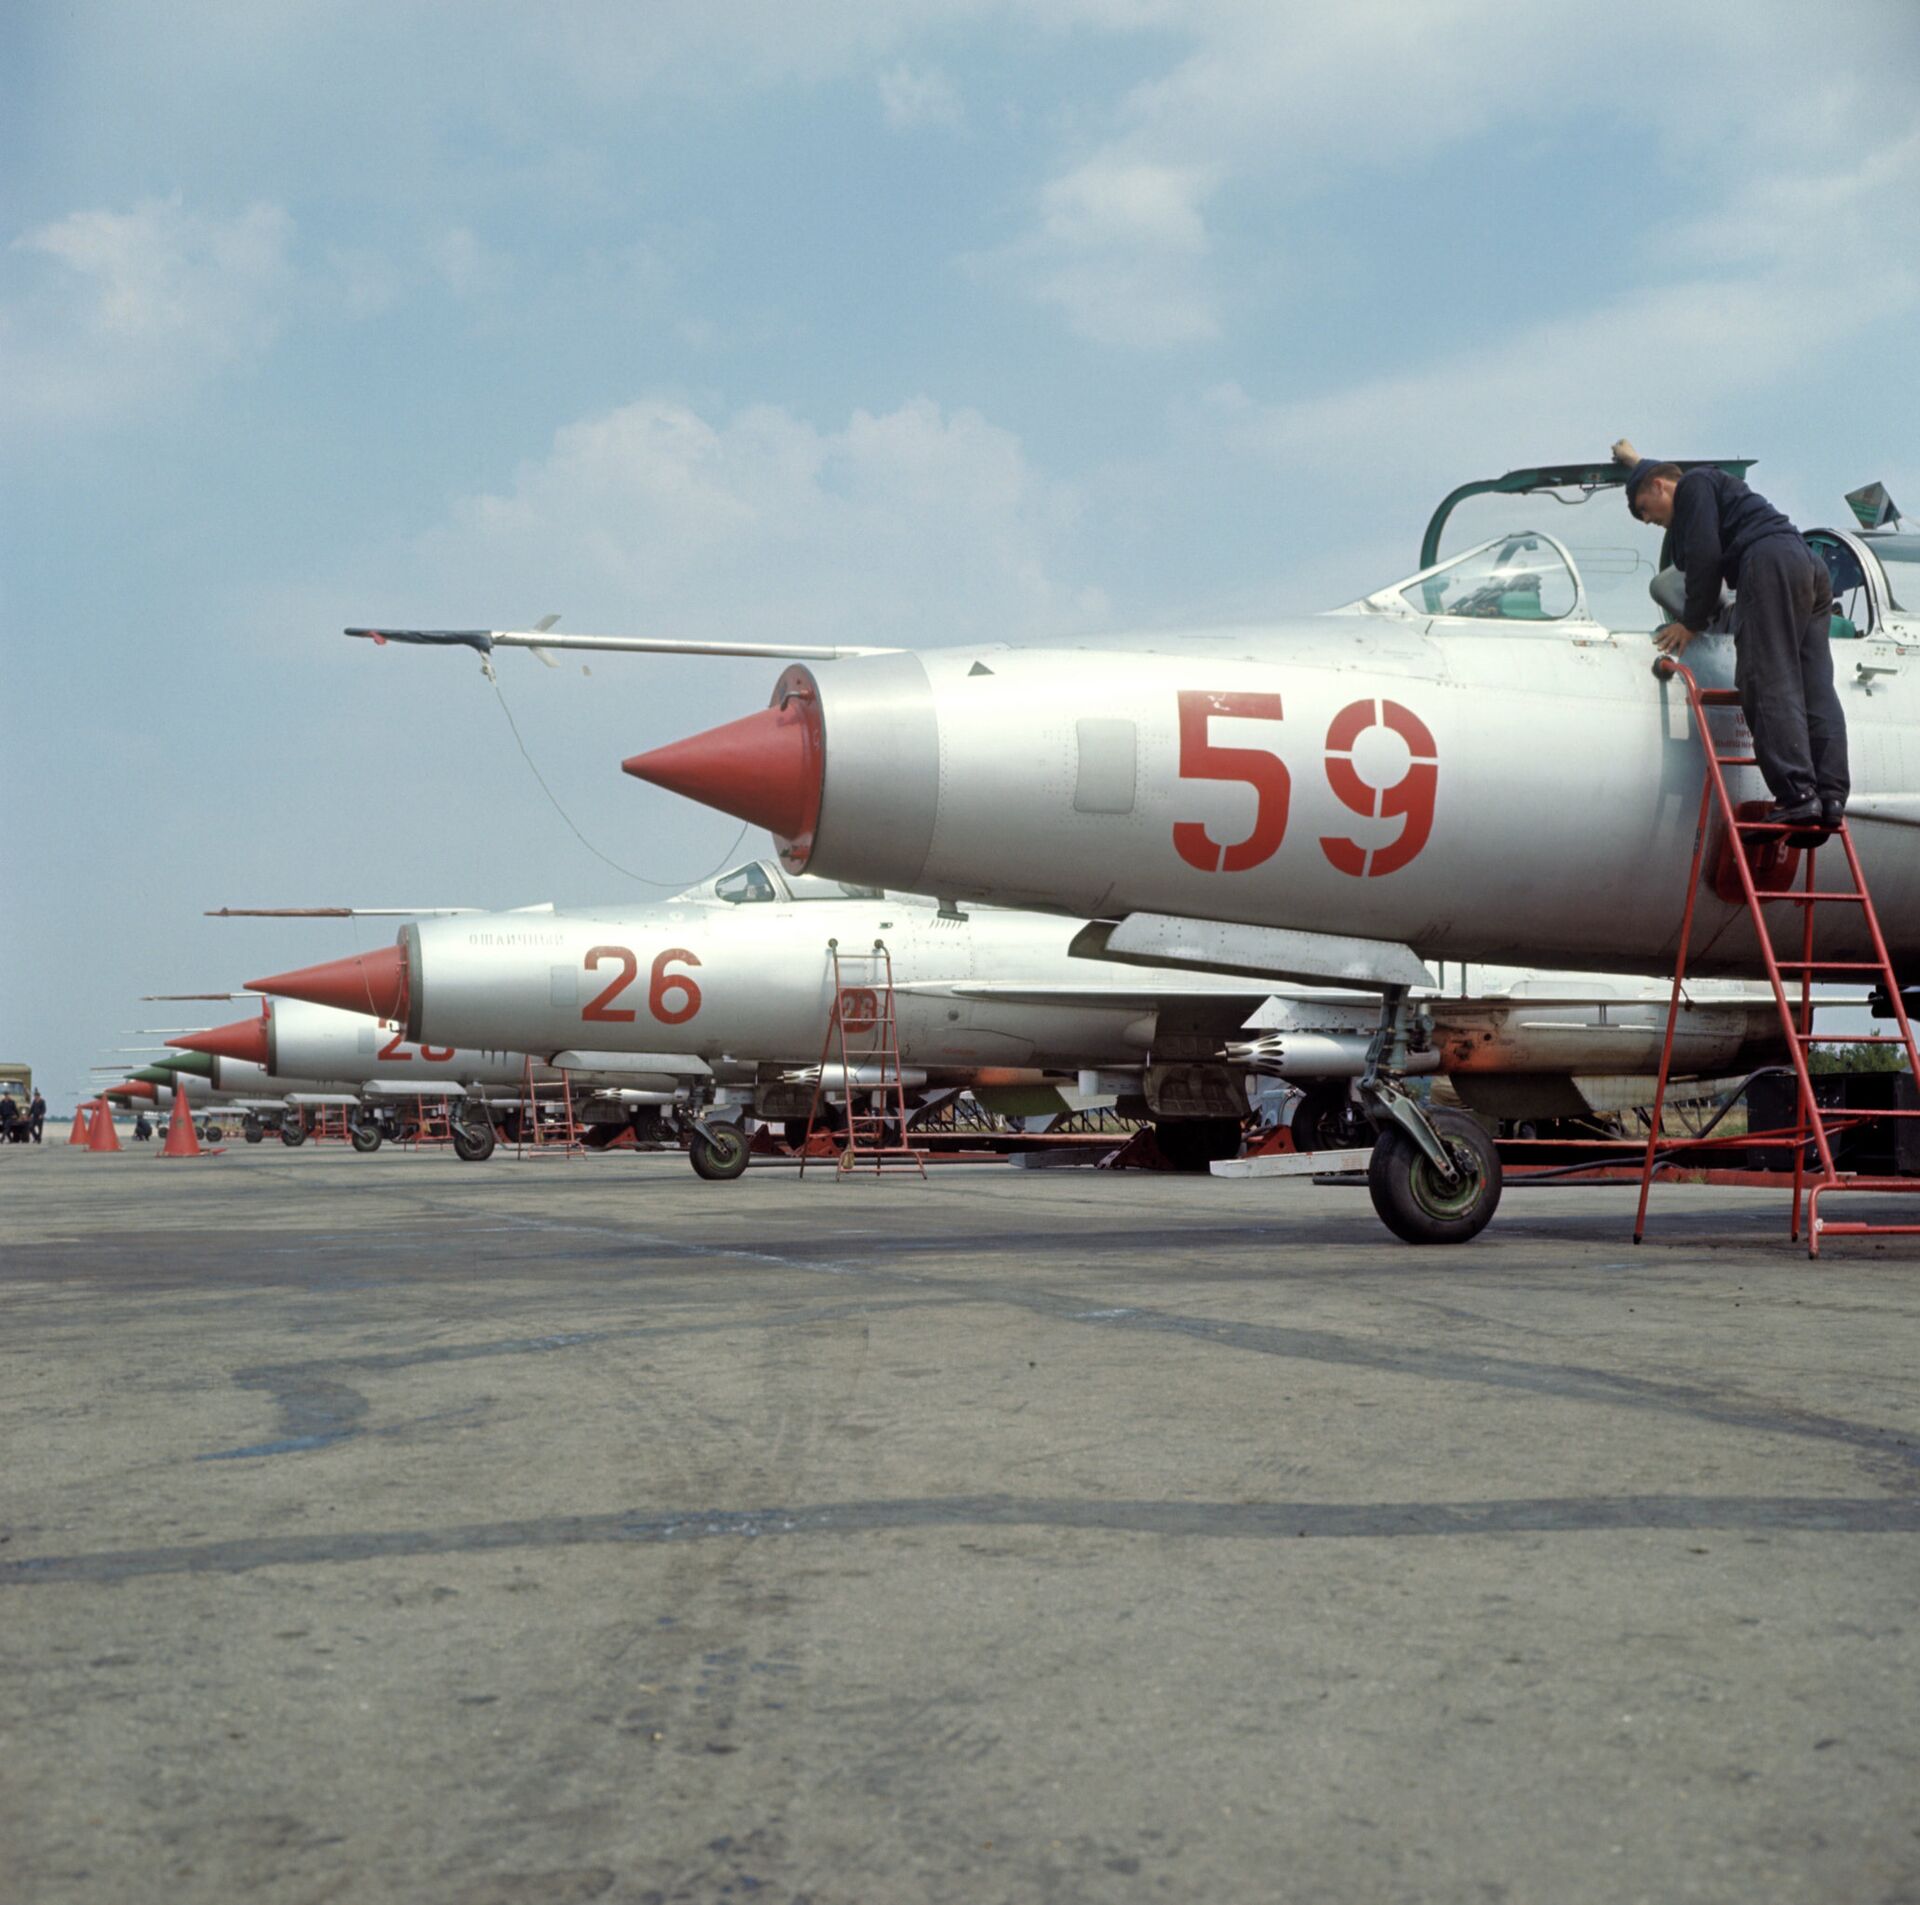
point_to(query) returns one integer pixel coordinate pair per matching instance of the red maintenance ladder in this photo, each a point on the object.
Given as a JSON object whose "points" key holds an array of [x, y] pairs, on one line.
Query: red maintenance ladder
{"points": [[866, 1032], [547, 1123], [1757, 864]]}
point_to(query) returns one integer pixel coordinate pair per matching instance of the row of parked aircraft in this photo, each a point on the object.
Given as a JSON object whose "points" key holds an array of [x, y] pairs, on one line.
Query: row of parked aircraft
{"points": [[1161, 866], [714, 1004]]}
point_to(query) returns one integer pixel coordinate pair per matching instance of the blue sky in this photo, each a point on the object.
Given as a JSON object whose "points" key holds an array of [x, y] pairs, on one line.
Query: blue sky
{"points": [[919, 320]]}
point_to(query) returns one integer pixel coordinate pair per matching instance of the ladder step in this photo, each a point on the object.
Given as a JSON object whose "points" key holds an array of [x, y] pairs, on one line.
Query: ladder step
{"points": [[1831, 965], [1856, 899]]}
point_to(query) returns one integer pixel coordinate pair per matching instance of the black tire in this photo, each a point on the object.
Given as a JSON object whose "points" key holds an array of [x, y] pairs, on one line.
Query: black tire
{"points": [[474, 1143], [1324, 1119], [293, 1131], [1191, 1144], [1414, 1202], [718, 1153], [367, 1136], [253, 1130], [211, 1133]]}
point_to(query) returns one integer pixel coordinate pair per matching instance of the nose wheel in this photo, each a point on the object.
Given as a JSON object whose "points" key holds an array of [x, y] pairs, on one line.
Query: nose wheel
{"points": [[718, 1150], [1434, 1175], [1415, 1201]]}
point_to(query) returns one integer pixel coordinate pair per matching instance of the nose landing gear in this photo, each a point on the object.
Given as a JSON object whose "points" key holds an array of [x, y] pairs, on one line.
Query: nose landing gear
{"points": [[1434, 1175]]}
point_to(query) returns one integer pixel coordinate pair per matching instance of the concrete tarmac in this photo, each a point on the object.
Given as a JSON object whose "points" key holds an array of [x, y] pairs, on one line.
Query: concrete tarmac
{"points": [[535, 1532]]}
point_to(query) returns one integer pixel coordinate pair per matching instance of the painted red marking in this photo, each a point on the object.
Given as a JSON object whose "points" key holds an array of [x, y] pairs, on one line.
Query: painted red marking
{"points": [[1264, 772], [661, 982], [1410, 798], [601, 1007]]}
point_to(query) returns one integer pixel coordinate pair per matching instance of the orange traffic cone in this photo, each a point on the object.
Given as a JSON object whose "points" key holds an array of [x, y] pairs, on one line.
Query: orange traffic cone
{"points": [[78, 1135], [101, 1135], [182, 1140]]}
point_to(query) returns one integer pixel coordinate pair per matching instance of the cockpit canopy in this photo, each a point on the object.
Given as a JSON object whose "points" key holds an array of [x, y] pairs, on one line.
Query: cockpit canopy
{"points": [[761, 883], [1524, 576]]}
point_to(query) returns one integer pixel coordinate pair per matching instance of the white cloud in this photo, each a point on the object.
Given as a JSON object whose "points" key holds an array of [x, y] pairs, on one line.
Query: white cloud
{"points": [[913, 96], [117, 309], [1121, 249], [909, 525], [1281, 103], [465, 265], [1655, 362]]}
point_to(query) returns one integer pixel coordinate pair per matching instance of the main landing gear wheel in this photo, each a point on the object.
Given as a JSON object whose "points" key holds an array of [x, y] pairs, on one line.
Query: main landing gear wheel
{"points": [[718, 1152], [1324, 1119], [366, 1136], [473, 1143], [1415, 1202], [292, 1131]]}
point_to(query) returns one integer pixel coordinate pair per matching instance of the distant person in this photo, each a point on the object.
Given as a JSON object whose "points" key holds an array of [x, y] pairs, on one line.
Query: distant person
{"points": [[9, 1118], [37, 1115], [141, 1129], [1721, 531]]}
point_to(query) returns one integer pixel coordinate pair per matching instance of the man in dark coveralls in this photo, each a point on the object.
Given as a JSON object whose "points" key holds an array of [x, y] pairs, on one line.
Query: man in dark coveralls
{"points": [[1720, 530]]}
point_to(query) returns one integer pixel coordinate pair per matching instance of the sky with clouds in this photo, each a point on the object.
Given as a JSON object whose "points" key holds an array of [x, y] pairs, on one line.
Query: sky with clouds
{"points": [[896, 321]]}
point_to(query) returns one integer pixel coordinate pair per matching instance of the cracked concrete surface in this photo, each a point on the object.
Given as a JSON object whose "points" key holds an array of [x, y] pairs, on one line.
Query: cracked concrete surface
{"points": [[395, 1528]]}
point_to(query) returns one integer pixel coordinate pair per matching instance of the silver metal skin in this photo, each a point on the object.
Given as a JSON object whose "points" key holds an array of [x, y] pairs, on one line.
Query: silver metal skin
{"points": [[716, 989], [308, 1041], [734, 991], [1565, 781]]}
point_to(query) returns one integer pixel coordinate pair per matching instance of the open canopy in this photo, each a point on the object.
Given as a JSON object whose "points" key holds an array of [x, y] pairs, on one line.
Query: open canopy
{"points": [[1583, 478]]}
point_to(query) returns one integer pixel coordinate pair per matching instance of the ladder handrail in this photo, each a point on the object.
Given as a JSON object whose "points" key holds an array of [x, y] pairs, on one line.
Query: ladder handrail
{"points": [[1811, 1123], [879, 1019]]}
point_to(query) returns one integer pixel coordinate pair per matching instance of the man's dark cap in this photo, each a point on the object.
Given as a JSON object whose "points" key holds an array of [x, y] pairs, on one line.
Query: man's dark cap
{"points": [[1641, 471]]}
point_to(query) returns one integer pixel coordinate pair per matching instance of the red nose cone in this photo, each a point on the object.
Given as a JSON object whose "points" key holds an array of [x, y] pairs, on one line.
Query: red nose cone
{"points": [[131, 1089], [244, 1039], [765, 768], [374, 982]]}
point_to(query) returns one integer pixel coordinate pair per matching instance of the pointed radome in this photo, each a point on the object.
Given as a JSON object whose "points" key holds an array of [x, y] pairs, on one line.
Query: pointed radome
{"points": [[244, 1039], [374, 983], [765, 768]]}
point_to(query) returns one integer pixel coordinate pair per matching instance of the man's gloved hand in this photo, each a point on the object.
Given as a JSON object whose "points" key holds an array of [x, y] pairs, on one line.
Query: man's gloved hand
{"points": [[1673, 639]]}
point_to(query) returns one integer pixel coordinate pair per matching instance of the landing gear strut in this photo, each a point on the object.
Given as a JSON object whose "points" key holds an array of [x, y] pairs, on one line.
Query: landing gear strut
{"points": [[717, 1150], [1434, 1175], [473, 1136]]}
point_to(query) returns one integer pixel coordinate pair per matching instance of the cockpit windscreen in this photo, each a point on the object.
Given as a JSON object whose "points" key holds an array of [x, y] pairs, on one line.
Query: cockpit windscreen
{"points": [[1518, 578]]}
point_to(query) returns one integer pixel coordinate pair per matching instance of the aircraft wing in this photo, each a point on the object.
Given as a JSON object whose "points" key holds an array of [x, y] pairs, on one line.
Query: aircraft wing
{"points": [[1213, 1011], [1092, 996]]}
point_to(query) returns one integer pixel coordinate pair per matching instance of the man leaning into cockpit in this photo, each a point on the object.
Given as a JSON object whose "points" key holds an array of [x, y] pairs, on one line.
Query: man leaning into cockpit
{"points": [[1721, 531]]}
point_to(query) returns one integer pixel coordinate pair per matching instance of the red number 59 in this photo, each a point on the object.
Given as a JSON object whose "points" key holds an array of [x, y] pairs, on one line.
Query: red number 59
{"points": [[1254, 767], [1410, 798]]}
